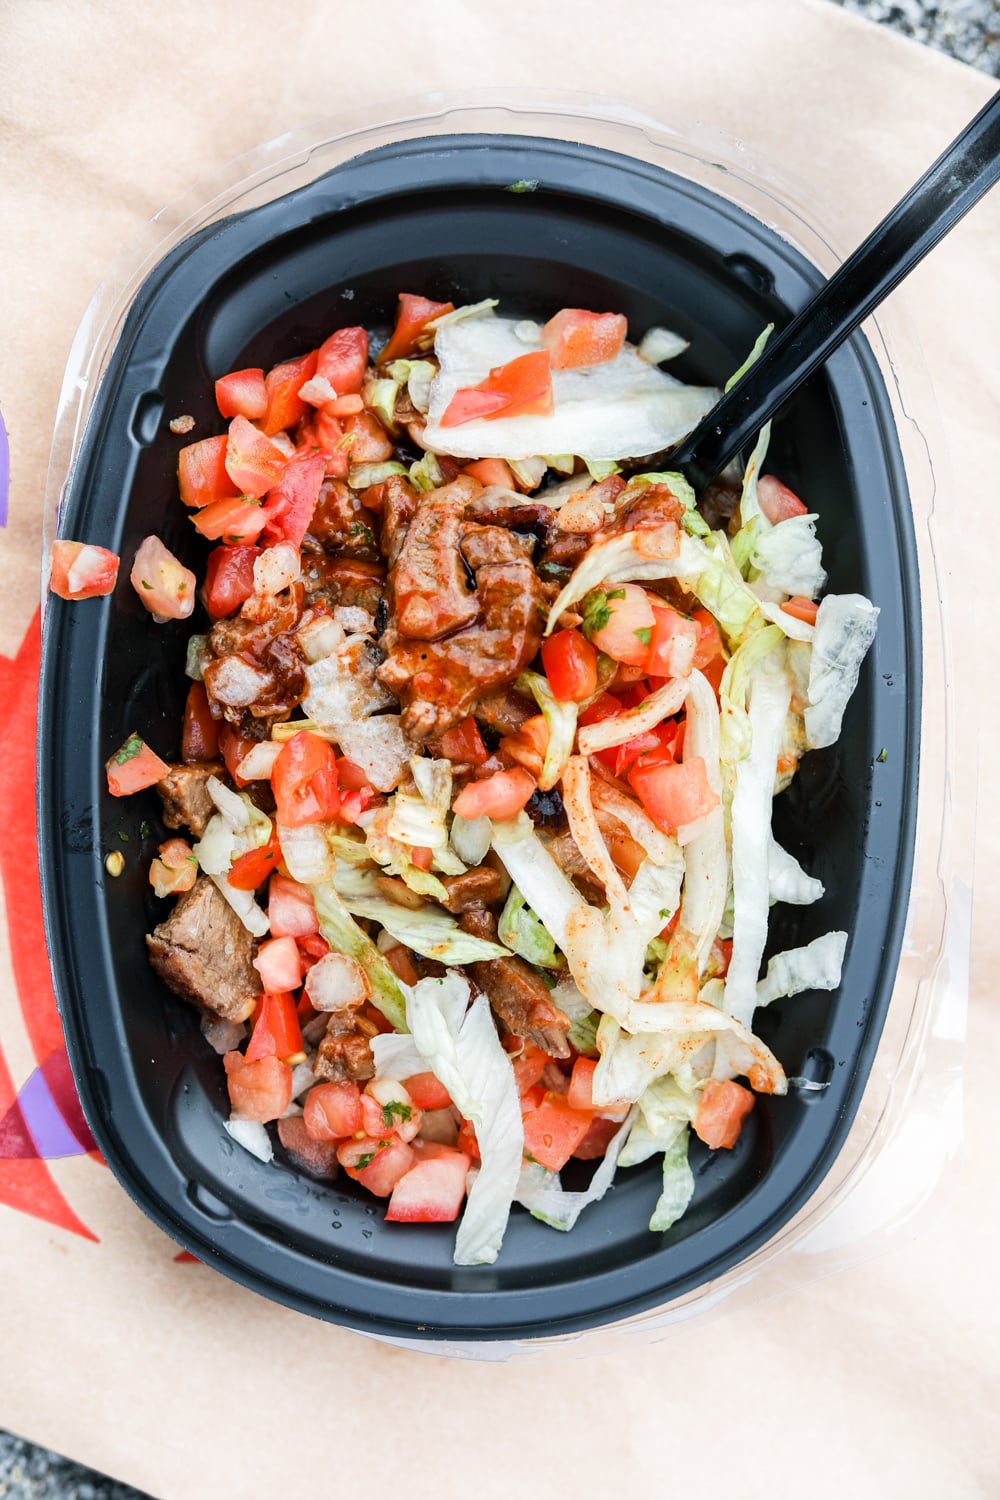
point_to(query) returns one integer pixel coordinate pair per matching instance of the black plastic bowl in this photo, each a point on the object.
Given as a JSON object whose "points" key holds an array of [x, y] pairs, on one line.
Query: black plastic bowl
{"points": [[436, 216]]}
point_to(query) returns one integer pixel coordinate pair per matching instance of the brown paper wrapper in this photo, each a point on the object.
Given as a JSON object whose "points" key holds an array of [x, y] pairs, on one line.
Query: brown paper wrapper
{"points": [[158, 1370]]}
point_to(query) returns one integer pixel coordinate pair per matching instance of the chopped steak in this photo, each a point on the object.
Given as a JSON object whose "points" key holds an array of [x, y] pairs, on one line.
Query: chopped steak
{"points": [[564, 850], [204, 953], [399, 505], [341, 524], [260, 620], [440, 681], [184, 793], [564, 550], [341, 580], [504, 709], [345, 1053], [431, 595], [516, 993], [495, 507], [479, 887]]}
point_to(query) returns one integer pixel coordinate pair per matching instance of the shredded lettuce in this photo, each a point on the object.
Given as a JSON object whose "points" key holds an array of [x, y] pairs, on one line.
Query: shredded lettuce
{"points": [[790, 557], [845, 628], [543, 1195], [426, 473], [418, 817], [307, 853], [753, 522], [694, 521], [816, 966], [245, 907], [360, 476], [678, 1185], [427, 930], [344, 935], [735, 733], [561, 721], [660, 344], [752, 357], [664, 1111], [786, 879], [751, 833], [461, 1048], [522, 932]]}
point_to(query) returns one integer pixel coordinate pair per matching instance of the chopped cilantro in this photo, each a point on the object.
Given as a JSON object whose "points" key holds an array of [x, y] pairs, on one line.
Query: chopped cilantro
{"points": [[123, 835], [364, 1161], [395, 1109], [882, 756], [643, 635], [132, 747], [146, 585], [595, 613]]}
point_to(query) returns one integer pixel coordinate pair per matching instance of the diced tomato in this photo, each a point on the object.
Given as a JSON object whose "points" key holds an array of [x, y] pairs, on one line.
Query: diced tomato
{"points": [[200, 735], [801, 608], [134, 767], [777, 501], [431, 1192], [333, 1111], [426, 1092], [384, 1163], [312, 944], [522, 387], [581, 1084], [528, 1066], [366, 439], [722, 1108], [251, 870], [285, 406], [202, 474], [372, 1122], [343, 359], [529, 745], [278, 963], [673, 644], [289, 507], [719, 957], [80, 571], [411, 319], [709, 640], [351, 776], [401, 964], [674, 795], [575, 337], [499, 796], [163, 584], [175, 869], [229, 579], [260, 1089], [239, 521], [232, 748], [353, 804], [290, 908], [628, 630], [317, 1158], [553, 1131], [604, 707], [464, 744], [570, 664], [304, 781], [467, 1140], [253, 463], [532, 1097], [595, 1143], [242, 393], [421, 856], [713, 672], [492, 471], [276, 1029]]}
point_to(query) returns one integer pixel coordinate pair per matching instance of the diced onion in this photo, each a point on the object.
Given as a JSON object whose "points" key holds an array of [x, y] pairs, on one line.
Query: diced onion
{"points": [[258, 763], [471, 838], [276, 568], [337, 982]]}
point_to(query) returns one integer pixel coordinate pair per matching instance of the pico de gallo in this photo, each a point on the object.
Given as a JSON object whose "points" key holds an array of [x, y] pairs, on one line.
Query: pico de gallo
{"points": [[470, 846]]}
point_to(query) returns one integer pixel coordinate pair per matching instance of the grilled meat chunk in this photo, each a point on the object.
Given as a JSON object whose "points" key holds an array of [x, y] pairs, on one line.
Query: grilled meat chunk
{"points": [[341, 524], [479, 887], [516, 994], [341, 580], [185, 795], [399, 506], [431, 595], [205, 954], [345, 1052], [440, 681]]}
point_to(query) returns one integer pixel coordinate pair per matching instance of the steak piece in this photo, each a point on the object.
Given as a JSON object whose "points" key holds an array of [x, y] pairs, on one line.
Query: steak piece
{"points": [[516, 993], [399, 506], [184, 793], [479, 887], [505, 710], [205, 954], [439, 682], [345, 1052], [431, 595], [341, 580], [341, 524]]}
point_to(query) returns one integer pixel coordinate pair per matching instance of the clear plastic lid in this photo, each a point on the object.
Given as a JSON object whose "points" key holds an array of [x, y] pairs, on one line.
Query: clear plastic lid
{"points": [[909, 1122]]}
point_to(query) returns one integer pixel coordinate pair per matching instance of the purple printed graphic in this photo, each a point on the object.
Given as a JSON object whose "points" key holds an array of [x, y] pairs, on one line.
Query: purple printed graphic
{"points": [[4, 472], [46, 1119]]}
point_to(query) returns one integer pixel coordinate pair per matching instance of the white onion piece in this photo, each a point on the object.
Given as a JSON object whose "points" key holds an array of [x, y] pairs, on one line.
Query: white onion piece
{"points": [[251, 1135], [235, 682], [284, 444], [661, 344], [471, 838], [276, 568], [317, 391], [222, 1036], [303, 1079], [337, 982], [230, 804], [306, 853], [258, 763], [320, 637]]}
